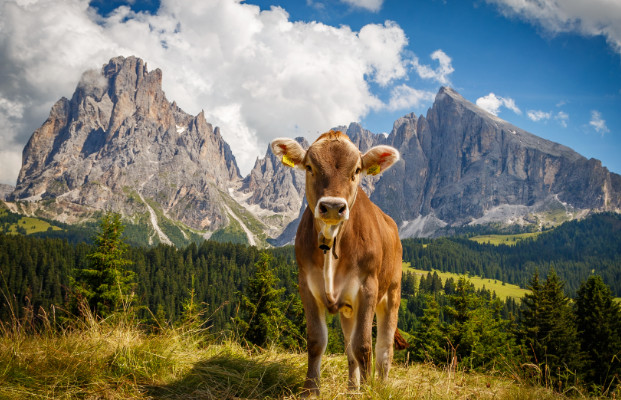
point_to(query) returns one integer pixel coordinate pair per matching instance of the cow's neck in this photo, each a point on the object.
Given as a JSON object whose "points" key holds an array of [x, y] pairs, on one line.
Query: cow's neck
{"points": [[329, 236], [328, 241]]}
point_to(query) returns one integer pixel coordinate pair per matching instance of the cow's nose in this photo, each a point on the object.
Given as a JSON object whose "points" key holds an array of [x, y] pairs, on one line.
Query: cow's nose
{"points": [[333, 209]]}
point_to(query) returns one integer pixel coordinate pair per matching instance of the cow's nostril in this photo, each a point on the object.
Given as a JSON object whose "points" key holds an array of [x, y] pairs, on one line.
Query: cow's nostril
{"points": [[342, 210], [323, 209]]}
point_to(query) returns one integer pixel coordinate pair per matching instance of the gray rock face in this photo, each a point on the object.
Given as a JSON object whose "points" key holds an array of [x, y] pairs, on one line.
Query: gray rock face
{"points": [[273, 186], [118, 144], [460, 163], [5, 191], [119, 141]]}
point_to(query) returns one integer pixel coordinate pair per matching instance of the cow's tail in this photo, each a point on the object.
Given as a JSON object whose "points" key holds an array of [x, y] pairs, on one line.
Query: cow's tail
{"points": [[400, 342]]}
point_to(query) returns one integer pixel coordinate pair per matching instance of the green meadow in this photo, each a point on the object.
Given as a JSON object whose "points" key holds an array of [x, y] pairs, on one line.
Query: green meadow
{"points": [[509, 240], [29, 224], [503, 290]]}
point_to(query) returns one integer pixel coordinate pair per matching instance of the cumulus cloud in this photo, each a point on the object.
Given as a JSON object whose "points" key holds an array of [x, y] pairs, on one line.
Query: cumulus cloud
{"points": [[11, 113], [404, 97], [255, 73], [370, 5], [598, 123], [492, 103], [439, 74], [588, 18], [562, 118], [538, 115]]}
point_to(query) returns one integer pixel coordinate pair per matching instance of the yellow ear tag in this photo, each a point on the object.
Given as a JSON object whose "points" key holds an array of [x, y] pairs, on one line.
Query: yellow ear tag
{"points": [[373, 169], [287, 161]]}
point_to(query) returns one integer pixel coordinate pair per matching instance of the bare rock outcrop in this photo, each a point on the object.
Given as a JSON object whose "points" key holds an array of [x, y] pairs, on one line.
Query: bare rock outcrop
{"points": [[119, 143]]}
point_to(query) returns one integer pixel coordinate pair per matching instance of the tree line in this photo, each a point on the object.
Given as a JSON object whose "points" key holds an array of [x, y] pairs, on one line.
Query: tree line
{"points": [[253, 294], [575, 250]]}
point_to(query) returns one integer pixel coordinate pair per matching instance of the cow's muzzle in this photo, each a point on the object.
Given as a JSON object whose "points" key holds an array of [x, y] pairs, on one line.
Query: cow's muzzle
{"points": [[332, 210]]}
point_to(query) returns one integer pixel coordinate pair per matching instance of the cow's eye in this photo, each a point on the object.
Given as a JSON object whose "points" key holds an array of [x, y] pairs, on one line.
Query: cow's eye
{"points": [[358, 171], [309, 169], [353, 177]]}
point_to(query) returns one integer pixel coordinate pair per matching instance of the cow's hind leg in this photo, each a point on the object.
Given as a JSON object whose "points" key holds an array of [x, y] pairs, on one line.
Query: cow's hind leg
{"points": [[354, 370], [317, 340], [387, 316]]}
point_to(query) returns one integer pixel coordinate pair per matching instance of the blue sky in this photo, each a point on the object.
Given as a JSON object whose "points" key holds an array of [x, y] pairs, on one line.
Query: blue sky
{"points": [[543, 71], [261, 69]]}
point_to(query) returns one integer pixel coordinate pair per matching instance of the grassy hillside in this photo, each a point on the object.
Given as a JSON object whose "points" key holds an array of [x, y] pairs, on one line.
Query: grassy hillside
{"points": [[27, 225], [503, 290], [116, 359], [509, 240]]}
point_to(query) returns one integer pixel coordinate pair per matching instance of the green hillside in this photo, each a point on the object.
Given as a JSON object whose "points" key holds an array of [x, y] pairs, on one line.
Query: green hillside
{"points": [[508, 240], [14, 224], [575, 250], [42, 349], [502, 290]]}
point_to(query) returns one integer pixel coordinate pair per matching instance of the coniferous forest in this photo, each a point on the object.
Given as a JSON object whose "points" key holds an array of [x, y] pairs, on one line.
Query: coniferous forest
{"points": [[568, 328]]}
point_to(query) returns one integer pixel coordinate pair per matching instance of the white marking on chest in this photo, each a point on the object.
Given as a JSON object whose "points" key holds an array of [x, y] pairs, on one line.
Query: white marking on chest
{"points": [[328, 275]]}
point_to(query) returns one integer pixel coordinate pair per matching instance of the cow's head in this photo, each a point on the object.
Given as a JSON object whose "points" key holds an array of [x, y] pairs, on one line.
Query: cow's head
{"points": [[333, 166]]}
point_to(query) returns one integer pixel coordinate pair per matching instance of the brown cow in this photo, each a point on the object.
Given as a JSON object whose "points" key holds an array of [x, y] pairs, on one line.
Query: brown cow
{"points": [[348, 253]]}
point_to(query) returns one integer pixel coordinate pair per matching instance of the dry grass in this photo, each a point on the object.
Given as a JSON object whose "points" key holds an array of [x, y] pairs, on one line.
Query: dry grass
{"points": [[117, 359]]}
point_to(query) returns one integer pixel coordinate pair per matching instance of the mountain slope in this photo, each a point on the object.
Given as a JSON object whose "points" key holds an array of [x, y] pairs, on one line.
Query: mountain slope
{"points": [[119, 145], [463, 165]]}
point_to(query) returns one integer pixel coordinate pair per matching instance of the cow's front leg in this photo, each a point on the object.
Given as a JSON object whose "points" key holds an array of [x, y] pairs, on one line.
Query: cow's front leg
{"points": [[361, 340], [387, 315], [347, 324], [317, 340]]}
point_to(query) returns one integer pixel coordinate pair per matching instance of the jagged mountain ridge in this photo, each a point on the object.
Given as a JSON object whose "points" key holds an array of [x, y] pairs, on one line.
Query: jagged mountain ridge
{"points": [[119, 145], [462, 165]]}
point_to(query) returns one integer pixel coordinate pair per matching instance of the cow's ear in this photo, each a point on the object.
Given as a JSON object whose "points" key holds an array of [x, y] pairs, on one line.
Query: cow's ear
{"points": [[378, 159], [289, 151]]}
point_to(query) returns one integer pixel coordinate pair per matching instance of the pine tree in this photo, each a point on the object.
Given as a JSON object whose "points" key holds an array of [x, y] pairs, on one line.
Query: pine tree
{"points": [[436, 283], [549, 331], [477, 332], [262, 318], [408, 285], [429, 340], [449, 286], [105, 283], [598, 319]]}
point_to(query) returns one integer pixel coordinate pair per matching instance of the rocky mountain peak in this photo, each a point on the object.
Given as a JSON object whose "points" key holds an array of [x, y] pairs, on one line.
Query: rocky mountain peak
{"points": [[463, 165], [118, 143], [275, 187]]}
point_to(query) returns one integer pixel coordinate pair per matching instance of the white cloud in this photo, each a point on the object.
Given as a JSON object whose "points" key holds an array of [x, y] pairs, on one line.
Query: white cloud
{"points": [[598, 123], [588, 18], [441, 73], [382, 45], [562, 118], [371, 5], [256, 74], [492, 103], [11, 161], [404, 97], [315, 5], [538, 115], [510, 104]]}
